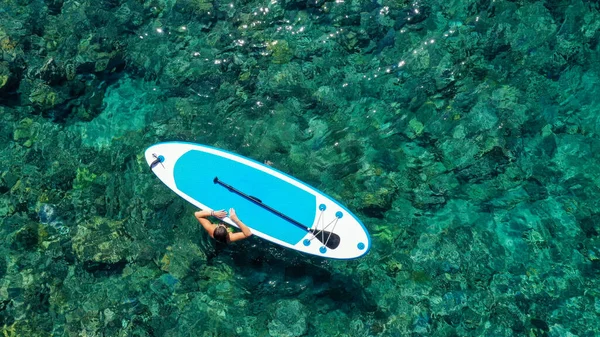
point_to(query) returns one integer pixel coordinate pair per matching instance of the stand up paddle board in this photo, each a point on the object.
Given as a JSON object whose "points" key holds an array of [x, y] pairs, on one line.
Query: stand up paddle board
{"points": [[276, 206]]}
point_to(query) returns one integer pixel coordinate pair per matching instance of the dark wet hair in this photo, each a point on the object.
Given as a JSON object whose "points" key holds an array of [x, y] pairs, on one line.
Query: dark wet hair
{"points": [[220, 234]]}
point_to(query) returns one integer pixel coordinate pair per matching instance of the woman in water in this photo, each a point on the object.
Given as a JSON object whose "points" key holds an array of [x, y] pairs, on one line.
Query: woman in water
{"points": [[219, 231]]}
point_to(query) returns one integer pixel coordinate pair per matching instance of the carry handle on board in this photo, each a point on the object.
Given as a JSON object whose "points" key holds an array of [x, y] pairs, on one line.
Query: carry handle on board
{"points": [[330, 239], [255, 199]]}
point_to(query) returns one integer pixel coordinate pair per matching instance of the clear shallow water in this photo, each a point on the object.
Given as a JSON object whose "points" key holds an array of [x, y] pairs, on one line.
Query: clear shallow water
{"points": [[465, 135]]}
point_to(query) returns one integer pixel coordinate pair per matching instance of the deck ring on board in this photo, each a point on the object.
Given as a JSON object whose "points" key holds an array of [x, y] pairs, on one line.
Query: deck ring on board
{"points": [[306, 242], [322, 207], [323, 250], [158, 160]]}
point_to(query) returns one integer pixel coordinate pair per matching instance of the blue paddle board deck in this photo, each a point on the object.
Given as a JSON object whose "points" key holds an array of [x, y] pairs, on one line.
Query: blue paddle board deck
{"points": [[276, 206]]}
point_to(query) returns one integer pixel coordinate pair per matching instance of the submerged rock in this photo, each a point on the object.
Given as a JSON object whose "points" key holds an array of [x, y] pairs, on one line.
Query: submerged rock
{"points": [[101, 245], [289, 320], [47, 213], [27, 237]]}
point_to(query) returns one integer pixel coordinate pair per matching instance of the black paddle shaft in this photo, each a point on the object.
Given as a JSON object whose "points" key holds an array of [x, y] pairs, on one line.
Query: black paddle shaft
{"points": [[260, 203], [332, 241]]}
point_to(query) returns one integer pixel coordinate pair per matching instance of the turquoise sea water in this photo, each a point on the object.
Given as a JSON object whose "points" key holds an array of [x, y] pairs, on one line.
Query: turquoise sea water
{"points": [[465, 134]]}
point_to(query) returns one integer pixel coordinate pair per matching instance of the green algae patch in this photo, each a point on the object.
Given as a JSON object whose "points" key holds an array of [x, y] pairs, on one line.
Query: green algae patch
{"points": [[419, 276], [100, 243], [280, 50], [26, 132], [199, 6], [43, 96], [415, 128], [4, 74], [84, 178]]}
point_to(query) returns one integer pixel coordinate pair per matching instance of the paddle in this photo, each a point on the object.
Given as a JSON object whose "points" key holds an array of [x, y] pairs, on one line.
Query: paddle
{"points": [[329, 239]]}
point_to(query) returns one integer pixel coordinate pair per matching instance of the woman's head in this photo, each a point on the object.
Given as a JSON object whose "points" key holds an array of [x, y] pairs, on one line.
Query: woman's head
{"points": [[220, 234]]}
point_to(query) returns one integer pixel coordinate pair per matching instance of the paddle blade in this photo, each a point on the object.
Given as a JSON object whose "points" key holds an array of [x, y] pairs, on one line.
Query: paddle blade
{"points": [[329, 239]]}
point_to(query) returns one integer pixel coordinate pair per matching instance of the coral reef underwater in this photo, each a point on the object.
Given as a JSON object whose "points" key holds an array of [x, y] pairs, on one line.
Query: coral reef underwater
{"points": [[465, 134]]}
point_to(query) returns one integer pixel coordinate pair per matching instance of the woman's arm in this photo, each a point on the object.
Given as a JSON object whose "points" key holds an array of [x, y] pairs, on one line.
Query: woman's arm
{"points": [[245, 230]]}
